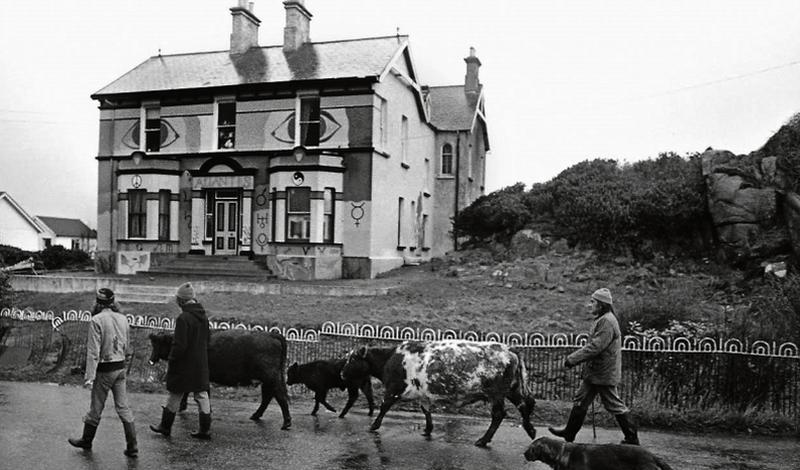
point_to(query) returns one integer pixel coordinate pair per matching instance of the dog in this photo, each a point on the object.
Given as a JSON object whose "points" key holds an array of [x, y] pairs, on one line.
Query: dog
{"points": [[562, 455]]}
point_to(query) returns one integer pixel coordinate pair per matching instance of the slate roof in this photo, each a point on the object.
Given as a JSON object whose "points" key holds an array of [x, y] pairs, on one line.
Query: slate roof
{"points": [[451, 108], [356, 58], [67, 227]]}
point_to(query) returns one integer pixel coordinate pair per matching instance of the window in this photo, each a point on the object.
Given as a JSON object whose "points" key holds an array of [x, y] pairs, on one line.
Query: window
{"points": [[48, 243], [447, 159], [404, 140], [137, 213], [384, 122], [400, 202], [76, 245], [152, 130], [226, 125], [309, 121], [164, 197], [298, 214], [329, 196]]}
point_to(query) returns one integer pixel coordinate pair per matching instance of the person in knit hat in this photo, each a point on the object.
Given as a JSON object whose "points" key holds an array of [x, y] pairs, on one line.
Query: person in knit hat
{"points": [[107, 349], [603, 357], [187, 364]]}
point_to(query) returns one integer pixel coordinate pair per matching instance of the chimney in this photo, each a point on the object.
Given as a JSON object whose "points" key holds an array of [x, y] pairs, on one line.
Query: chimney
{"points": [[244, 33], [471, 82], [298, 25]]}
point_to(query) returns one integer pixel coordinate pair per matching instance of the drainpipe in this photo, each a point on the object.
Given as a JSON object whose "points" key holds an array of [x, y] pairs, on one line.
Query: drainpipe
{"points": [[458, 165]]}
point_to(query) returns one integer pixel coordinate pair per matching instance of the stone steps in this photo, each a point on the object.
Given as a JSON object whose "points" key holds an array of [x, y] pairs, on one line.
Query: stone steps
{"points": [[213, 266]]}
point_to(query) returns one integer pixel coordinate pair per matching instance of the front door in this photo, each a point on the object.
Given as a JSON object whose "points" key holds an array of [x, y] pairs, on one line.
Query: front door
{"points": [[226, 216]]}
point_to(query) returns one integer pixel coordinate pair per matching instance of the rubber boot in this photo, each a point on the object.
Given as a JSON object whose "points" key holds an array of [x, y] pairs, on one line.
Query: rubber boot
{"points": [[165, 427], [628, 429], [574, 423], [130, 439], [205, 426], [85, 441]]}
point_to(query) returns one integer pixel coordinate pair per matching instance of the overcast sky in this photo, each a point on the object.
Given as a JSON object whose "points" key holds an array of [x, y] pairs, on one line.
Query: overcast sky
{"points": [[565, 80]]}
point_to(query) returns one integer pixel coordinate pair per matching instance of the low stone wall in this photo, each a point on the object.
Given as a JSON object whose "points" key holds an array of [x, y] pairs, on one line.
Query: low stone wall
{"points": [[64, 284]]}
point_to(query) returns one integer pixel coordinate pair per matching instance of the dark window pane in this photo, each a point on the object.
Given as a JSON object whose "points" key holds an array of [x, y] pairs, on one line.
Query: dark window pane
{"points": [[232, 217], [299, 199], [227, 114]]}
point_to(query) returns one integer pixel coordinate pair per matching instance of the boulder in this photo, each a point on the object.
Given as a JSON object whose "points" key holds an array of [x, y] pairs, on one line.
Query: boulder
{"points": [[528, 244]]}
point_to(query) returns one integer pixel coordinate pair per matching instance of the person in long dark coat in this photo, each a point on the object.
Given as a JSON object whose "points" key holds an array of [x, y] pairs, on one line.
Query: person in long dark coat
{"points": [[187, 365], [603, 371]]}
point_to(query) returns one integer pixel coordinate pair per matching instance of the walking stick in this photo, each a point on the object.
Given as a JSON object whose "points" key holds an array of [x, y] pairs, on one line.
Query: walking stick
{"points": [[594, 429]]}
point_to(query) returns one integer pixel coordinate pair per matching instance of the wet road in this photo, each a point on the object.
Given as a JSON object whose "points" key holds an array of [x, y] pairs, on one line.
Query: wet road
{"points": [[36, 419]]}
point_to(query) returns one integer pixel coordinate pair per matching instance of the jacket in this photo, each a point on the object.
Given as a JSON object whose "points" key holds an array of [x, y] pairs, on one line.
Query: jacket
{"points": [[603, 352], [187, 365], [108, 341]]}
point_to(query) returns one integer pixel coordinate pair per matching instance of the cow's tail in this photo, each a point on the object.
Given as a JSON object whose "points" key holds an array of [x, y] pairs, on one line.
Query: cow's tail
{"points": [[284, 352], [527, 400]]}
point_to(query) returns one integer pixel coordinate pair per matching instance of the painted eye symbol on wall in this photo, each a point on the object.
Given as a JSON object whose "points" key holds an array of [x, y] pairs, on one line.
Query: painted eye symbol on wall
{"points": [[168, 135], [328, 126]]}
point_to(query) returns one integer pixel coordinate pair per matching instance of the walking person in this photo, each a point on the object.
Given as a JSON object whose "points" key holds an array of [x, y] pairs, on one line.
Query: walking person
{"points": [[603, 355], [107, 349], [187, 365]]}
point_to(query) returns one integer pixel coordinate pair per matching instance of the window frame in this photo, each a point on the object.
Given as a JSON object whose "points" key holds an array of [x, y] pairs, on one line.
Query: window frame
{"points": [[446, 167], [139, 216], [226, 126], [164, 209], [302, 216], [329, 216], [151, 126], [315, 121]]}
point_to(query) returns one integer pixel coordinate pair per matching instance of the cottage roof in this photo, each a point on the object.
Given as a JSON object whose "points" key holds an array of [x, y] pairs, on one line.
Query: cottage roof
{"points": [[31, 220], [355, 58], [67, 227], [452, 109]]}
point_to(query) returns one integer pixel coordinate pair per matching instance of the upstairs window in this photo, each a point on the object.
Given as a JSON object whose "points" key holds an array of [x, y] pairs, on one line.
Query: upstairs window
{"points": [[309, 121], [298, 214], [384, 123], [152, 130], [137, 213], [226, 125], [447, 159], [164, 197]]}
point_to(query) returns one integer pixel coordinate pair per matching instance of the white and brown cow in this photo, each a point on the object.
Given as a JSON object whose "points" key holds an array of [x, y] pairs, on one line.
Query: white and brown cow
{"points": [[456, 371]]}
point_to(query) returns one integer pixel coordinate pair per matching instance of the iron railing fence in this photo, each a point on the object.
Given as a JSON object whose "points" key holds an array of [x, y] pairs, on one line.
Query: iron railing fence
{"points": [[666, 372]]}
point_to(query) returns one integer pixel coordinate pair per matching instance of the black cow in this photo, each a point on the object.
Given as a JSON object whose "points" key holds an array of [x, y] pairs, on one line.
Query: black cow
{"points": [[238, 357], [452, 370], [321, 376]]}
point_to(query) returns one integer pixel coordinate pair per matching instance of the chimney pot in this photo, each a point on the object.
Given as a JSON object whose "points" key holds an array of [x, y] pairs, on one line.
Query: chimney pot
{"points": [[471, 82], [244, 31], [298, 25]]}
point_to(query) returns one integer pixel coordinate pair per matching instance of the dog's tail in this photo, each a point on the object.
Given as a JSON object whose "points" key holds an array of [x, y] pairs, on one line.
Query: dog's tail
{"points": [[661, 464]]}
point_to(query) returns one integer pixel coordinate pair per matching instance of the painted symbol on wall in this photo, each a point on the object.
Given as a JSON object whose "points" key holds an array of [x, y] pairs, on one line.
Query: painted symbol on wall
{"points": [[136, 181], [298, 178], [168, 135], [357, 212], [262, 220], [261, 199], [261, 240], [328, 126]]}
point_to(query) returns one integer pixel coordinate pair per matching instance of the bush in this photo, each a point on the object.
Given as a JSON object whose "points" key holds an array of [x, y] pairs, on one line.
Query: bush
{"points": [[498, 215], [5, 290], [12, 255], [58, 257]]}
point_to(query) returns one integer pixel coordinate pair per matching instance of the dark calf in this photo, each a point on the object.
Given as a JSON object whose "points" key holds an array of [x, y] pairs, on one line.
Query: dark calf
{"points": [[239, 357], [321, 376]]}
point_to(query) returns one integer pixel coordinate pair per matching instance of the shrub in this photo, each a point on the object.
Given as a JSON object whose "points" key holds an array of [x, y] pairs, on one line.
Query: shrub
{"points": [[498, 215], [5, 290], [58, 257], [12, 255]]}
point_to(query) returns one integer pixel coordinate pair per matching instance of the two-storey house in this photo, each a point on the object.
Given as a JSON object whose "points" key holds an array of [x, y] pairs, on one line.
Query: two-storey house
{"points": [[322, 159]]}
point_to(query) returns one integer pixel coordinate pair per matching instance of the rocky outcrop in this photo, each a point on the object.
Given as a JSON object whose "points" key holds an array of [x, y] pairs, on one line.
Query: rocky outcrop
{"points": [[746, 201]]}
